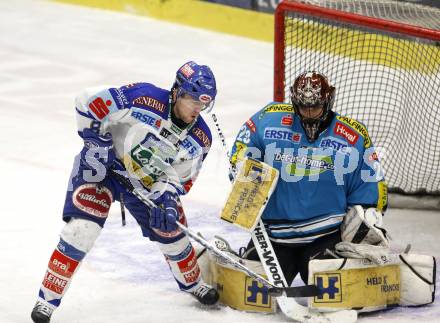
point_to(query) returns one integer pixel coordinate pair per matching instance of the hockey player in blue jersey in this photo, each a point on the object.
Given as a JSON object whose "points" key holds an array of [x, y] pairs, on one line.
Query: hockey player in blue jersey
{"points": [[331, 188], [156, 138]]}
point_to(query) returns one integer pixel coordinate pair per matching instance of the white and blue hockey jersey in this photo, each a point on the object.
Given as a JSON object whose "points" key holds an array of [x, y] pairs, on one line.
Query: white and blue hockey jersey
{"points": [[152, 148], [318, 180]]}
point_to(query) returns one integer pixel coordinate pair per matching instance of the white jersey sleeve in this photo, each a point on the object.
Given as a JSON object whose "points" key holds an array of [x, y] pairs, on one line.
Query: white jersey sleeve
{"points": [[96, 107]]}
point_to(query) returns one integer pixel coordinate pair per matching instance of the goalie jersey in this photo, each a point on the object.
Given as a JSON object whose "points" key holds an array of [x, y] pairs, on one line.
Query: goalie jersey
{"points": [[152, 148], [318, 180]]}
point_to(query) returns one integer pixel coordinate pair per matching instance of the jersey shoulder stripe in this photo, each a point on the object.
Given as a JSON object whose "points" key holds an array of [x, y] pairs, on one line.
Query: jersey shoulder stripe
{"points": [[274, 107], [201, 133], [357, 126], [148, 97]]}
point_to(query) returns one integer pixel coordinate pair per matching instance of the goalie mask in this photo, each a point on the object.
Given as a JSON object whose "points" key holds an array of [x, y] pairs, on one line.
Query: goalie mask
{"points": [[198, 82], [312, 97]]}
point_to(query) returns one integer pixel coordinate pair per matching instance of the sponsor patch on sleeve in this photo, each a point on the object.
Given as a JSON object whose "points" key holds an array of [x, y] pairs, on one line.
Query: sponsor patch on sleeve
{"points": [[358, 127], [346, 132], [201, 136], [102, 105], [251, 125]]}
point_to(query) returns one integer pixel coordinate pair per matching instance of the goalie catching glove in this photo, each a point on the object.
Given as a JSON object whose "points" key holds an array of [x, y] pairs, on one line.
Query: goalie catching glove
{"points": [[364, 227], [363, 236]]}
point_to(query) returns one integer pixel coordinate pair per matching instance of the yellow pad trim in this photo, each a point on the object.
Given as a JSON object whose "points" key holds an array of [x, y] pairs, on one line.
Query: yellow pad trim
{"points": [[358, 288], [241, 292], [250, 192]]}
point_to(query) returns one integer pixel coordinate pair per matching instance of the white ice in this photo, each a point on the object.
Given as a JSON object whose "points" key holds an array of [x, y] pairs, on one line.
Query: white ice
{"points": [[48, 53]]}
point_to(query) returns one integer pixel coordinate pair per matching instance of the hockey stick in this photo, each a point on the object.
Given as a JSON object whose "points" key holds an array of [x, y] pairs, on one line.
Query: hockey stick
{"points": [[302, 291], [275, 275]]}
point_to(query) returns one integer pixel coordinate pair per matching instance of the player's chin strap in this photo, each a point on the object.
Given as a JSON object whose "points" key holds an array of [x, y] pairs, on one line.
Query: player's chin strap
{"points": [[273, 270], [300, 291]]}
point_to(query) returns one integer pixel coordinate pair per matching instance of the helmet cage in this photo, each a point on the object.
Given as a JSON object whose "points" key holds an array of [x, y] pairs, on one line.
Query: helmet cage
{"points": [[309, 90]]}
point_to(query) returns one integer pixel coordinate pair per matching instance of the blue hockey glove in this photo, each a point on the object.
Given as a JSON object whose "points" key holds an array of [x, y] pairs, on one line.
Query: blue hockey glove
{"points": [[164, 216], [97, 150]]}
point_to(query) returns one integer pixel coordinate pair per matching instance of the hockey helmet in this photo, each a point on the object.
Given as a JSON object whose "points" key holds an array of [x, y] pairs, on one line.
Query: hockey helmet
{"points": [[197, 81], [311, 89]]}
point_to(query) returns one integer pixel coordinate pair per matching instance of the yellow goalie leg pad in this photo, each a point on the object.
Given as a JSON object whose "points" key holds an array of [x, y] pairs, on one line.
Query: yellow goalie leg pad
{"points": [[236, 289], [408, 279], [253, 186]]}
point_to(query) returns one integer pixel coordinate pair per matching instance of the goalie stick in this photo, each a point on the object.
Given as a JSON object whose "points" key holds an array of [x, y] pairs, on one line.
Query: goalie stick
{"points": [[300, 291], [272, 268]]}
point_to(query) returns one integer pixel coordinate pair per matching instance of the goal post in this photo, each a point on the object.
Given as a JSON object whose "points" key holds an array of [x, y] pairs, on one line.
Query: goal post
{"points": [[383, 57]]}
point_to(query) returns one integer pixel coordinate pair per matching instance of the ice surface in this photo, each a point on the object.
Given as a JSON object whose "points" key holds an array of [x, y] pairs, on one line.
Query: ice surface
{"points": [[48, 53]]}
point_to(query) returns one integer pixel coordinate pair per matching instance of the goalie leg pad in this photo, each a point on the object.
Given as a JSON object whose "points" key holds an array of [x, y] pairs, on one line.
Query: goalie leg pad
{"points": [[236, 289], [406, 280]]}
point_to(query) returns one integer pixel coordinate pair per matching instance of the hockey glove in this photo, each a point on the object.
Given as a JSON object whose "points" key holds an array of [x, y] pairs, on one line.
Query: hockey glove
{"points": [[379, 255], [364, 227], [164, 216], [97, 150]]}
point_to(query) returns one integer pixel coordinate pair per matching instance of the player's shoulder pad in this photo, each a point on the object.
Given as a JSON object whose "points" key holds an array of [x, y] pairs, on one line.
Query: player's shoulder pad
{"points": [[275, 107], [147, 96], [201, 133], [355, 128]]}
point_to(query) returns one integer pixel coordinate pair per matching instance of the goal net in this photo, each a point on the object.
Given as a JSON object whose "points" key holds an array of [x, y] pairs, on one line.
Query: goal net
{"points": [[383, 57]]}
